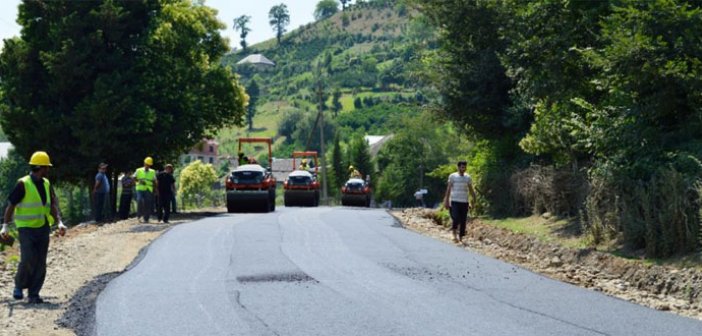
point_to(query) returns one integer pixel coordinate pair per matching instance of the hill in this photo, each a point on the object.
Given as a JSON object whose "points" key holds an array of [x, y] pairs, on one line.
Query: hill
{"points": [[366, 54]]}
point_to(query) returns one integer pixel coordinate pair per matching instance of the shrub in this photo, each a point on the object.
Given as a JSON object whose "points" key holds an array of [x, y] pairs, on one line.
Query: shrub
{"points": [[660, 214]]}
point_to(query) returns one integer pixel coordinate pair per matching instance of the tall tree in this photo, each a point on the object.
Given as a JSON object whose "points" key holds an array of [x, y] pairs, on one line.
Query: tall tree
{"points": [[360, 156], [336, 102], [241, 24], [115, 81], [468, 71], [325, 9], [337, 164], [343, 4], [279, 19], [253, 91]]}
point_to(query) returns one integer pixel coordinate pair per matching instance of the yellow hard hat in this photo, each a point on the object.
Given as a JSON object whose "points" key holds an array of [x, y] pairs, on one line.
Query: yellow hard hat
{"points": [[304, 160], [40, 159], [350, 167], [149, 161]]}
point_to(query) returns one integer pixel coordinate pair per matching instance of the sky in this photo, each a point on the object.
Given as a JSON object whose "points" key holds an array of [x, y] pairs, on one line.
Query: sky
{"points": [[301, 12]]}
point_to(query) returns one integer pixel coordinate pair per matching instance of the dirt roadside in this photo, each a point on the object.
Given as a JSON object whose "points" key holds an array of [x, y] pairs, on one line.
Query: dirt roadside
{"points": [[79, 266], [659, 287]]}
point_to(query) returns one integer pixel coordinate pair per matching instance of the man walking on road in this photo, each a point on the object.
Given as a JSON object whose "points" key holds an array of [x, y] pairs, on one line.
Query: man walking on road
{"points": [[34, 207], [456, 200], [146, 185], [100, 191], [166, 192]]}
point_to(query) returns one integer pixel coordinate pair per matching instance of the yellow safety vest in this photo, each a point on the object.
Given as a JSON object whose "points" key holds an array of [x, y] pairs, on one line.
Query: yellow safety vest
{"points": [[31, 212], [145, 179]]}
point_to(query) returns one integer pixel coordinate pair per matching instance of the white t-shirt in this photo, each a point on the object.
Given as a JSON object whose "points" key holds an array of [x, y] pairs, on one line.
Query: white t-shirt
{"points": [[459, 187]]}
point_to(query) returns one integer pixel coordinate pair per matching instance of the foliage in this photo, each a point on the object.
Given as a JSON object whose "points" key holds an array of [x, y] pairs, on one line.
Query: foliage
{"points": [[614, 86], [253, 91], [419, 146], [118, 81], [360, 158], [196, 181], [344, 3], [279, 19], [241, 24], [325, 9], [467, 69], [338, 165], [12, 168], [378, 119]]}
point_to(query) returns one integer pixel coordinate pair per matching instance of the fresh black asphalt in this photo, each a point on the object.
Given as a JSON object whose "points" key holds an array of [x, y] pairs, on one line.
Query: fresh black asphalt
{"points": [[345, 271]]}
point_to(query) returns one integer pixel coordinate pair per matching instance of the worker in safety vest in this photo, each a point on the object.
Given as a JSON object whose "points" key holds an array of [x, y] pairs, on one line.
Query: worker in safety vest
{"points": [[303, 165], [354, 173], [146, 186], [34, 207]]}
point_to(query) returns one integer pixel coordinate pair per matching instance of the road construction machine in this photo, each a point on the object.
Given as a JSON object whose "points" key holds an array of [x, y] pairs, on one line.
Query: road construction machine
{"points": [[251, 187], [356, 192], [301, 186]]}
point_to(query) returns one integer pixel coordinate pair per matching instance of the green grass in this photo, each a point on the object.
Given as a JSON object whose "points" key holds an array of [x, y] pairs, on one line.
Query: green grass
{"points": [[559, 231]]}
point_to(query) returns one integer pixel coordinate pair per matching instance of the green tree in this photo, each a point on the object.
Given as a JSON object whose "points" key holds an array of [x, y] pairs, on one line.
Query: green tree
{"points": [[325, 9], [253, 91], [344, 3], [279, 19], [241, 24], [336, 103], [12, 168], [115, 81], [467, 69], [419, 146], [338, 165], [196, 181], [360, 157]]}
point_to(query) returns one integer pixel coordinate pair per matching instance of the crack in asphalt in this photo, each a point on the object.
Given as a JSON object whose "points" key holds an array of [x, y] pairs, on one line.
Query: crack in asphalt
{"points": [[252, 319]]}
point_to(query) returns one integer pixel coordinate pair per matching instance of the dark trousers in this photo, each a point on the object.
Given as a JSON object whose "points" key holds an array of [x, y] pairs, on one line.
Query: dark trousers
{"points": [[34, 246], [145, 205], [100, 206], [164, 207], [125, 205], [459, 216]]}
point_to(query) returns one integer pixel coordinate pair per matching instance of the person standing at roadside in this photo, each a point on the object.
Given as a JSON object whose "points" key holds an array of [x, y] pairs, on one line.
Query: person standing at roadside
{"points": [[456, 200], [34, 207], [146, 186], [100, 191], [166, 192], [125, 200]]}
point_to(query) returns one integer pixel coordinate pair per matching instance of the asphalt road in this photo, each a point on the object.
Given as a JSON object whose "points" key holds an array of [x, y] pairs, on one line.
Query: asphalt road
{"points": [[334, 271]]}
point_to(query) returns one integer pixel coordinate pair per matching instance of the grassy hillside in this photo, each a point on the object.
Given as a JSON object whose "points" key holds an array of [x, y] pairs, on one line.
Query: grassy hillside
{"points": [[366, 54]]}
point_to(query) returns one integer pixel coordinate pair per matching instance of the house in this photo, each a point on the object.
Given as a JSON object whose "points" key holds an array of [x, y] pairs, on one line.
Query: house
{"points": [[376, 142], [257, 60], [206, 151], [5, 149]]}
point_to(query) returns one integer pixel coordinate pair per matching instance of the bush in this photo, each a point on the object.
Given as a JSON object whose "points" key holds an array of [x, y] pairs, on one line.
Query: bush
{"points": [[660, 215], [540, 189]]}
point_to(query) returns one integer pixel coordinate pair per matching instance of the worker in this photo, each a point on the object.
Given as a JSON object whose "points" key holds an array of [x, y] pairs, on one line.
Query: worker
{"points": [[34, 207], [243, 159], [303, 165], [146, 187], [353, 173]]}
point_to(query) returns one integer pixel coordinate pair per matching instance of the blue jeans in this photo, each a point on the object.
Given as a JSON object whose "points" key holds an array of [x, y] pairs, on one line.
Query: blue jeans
{"points": [[100, 206], [145, 204]]}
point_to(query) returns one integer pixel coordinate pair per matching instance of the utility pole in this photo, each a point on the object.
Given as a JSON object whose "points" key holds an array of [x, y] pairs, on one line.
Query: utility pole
{"points": [[320, 97]]}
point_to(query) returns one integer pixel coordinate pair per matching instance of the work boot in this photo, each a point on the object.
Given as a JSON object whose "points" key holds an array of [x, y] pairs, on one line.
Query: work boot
{"points": [[35, 300], [17, 294]]}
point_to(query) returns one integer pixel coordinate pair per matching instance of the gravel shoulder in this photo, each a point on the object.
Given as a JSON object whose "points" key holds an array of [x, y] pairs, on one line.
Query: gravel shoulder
{"points": [[80, 265], [665, 288]]}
